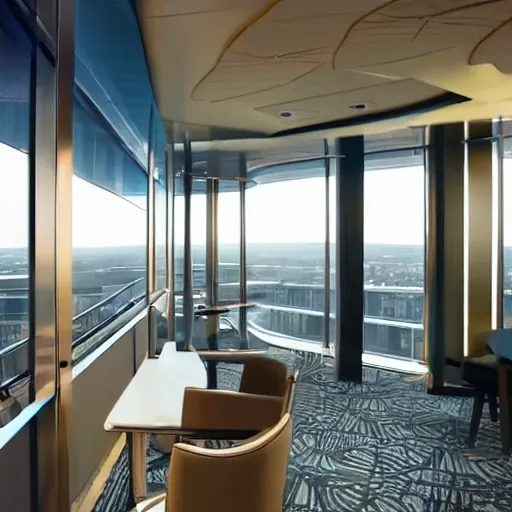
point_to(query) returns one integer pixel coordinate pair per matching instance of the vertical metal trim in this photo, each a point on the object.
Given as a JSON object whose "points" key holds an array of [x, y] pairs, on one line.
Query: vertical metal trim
{"points": [[242, 325], [64, 241], [188, 298], [500, 224], [150, 237], [43, 353], [433, 308], [209, 270], [327, 255], [349, 258], [480, 239], [170, 237]]}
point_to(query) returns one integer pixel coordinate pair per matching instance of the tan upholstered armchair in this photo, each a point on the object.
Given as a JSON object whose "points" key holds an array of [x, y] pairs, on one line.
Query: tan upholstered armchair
{"points": [[247, 478], [265, 394]]}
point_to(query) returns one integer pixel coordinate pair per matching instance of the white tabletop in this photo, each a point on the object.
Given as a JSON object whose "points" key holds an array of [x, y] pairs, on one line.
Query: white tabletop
{"points": [[153, 400], [168, 350]]}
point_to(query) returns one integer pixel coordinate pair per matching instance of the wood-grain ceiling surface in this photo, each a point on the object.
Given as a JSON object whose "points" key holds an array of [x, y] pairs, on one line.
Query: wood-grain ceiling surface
{"points": [[242, 63]]}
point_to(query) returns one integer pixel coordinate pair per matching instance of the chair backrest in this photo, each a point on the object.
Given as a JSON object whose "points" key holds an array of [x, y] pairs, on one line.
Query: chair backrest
{"points": [[247, 478], [264, 376]]}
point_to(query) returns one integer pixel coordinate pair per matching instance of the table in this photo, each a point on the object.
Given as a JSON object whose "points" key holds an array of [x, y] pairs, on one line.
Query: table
{"points": [[153, 403]]}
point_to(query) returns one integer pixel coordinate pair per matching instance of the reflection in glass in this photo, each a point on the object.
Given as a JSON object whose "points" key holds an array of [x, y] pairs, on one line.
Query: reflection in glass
{"points": [[394, 254]]}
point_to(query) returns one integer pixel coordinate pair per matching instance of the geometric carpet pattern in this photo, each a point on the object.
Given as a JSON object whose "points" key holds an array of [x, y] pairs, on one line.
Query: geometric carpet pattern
{"points": [[381, 446]]}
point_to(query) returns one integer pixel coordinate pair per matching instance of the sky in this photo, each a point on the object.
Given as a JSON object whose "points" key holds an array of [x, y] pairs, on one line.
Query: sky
{"points": [[282, 212]]}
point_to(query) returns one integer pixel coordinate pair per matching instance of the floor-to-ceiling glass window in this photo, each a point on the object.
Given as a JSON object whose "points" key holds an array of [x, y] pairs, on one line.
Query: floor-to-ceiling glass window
{"points": [[160, 193], [394, 227], [15, 105], [179, 243], [111, 153], [109, 227], [507, 231], [285, 226], [228, 235]]}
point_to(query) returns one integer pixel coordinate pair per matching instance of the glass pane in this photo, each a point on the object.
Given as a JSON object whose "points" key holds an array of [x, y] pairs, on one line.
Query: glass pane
{"points": [[507, 233], [229, 244], [394, 264], [179, 242], [285, 262], [109, 231], [160, 191], [15, 78]]}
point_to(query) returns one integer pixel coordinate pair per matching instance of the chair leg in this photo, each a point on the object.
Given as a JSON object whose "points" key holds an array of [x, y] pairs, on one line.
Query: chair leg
{"points": [[493, 407], [478, 406]]}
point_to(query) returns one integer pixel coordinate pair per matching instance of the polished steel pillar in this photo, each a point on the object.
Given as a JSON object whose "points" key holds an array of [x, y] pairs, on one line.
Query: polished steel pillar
{"points": [[188, 298], [64, 241], [212, 256], [327, 258], [444, 247], [170, 237], [242, 318], [479, 151], [349, 257], [150, 240], [498, 212]]}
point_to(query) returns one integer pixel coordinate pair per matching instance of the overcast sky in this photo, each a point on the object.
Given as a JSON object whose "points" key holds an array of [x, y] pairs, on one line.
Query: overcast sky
{"points": [[291, 211]]}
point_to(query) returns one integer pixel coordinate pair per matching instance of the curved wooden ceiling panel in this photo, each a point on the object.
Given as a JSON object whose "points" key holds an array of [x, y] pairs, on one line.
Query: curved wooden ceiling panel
{"points": [[317, 58]]}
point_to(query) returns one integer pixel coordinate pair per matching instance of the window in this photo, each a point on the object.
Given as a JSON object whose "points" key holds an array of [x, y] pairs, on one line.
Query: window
{"points": [[394, 253], [109, 227], [286, 255], [15, 105], [507, 232], [229, 242], [160, 193]]}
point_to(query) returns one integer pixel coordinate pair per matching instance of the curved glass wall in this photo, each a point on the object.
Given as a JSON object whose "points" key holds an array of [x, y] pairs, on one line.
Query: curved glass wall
{"points": [[394, 261], [507, 232], [285, 258]]}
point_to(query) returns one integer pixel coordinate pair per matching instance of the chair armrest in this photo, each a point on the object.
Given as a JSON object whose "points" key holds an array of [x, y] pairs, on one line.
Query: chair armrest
{"points": [[153, 504], [211, 409], [229, 356]]}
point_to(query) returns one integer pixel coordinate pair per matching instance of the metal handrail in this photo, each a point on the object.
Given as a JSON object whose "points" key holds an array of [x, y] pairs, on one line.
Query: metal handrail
{"points": [[108, 300]]}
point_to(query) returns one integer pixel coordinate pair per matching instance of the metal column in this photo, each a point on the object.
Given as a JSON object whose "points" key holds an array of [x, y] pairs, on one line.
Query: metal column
{"points": [[349, 257], [188, 298], [480, 233], [64, 240], [327, 257], [170, 238], [212, 257], [242, 318], [444, 282]]}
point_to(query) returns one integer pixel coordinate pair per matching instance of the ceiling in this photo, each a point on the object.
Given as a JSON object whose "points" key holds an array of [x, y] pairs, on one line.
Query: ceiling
{"points": [[251, 67]]}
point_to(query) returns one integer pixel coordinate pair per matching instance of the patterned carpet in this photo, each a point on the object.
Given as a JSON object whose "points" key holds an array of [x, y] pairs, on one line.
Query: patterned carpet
{"points": [[383, 446]]}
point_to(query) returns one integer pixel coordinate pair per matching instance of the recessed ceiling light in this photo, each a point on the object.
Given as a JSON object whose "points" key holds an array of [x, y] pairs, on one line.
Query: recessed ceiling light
{"points": [[285, 114], [358, 106]]}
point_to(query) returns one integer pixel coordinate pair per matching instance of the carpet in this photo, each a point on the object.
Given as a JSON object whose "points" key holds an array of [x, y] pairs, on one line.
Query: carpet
{"points": [[383, 445]]}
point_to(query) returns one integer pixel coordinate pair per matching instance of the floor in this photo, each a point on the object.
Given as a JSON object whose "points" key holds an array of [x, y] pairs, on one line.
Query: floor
{"points": [[384, 446]]}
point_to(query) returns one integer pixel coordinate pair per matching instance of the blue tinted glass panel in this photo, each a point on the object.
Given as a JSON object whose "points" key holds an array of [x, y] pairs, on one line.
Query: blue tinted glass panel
{"points": [[109, 230], [158, 139], [99, 157], [110, 68], [15, 56], [15, 83]]}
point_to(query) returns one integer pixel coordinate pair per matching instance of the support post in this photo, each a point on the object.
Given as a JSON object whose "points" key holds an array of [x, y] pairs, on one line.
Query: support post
{"points": [[349, 257]]}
